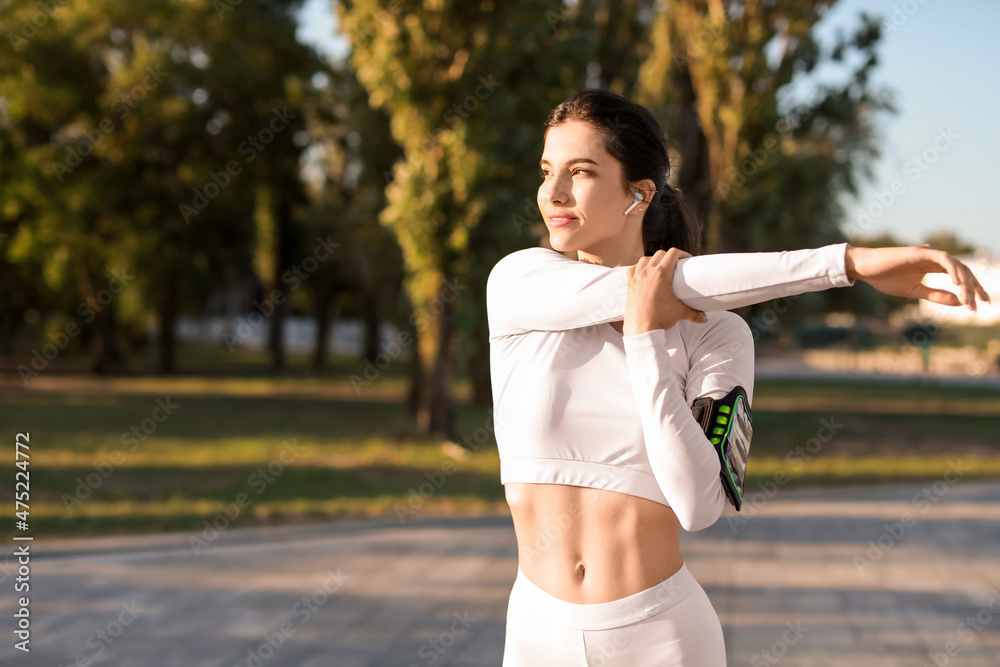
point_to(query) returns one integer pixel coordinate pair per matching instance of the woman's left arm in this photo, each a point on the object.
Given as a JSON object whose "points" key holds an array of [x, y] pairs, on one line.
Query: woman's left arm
{"points": [[666, 379], [540, 289]]}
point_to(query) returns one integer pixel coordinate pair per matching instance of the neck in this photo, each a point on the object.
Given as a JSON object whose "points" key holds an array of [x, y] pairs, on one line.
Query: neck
{"points": [[614, 252]]}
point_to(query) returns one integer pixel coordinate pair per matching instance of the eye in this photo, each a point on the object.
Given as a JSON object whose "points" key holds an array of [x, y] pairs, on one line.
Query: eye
{"points": [[542, 173]]}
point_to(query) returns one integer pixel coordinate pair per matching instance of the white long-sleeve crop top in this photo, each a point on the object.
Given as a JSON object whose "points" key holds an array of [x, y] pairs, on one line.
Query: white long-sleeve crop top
{"points": [[576, 402]]}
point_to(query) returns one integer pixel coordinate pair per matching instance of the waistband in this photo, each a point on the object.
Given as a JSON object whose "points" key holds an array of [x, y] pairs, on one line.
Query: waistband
{"points": [[605, 615]]}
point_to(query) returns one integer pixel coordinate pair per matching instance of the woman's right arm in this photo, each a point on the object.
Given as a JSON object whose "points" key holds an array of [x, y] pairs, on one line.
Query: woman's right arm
{"points": [[538, 289]]}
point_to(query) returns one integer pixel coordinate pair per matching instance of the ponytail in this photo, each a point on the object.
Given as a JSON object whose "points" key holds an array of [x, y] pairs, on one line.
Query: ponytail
{"points": [[670, 222]]}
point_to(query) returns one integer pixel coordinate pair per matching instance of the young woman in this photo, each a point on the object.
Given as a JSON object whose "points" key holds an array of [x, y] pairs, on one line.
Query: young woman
{"points": [[595, 364]]}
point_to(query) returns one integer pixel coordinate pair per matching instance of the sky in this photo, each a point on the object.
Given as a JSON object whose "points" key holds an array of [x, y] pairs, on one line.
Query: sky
{"points": [[940, 59]]}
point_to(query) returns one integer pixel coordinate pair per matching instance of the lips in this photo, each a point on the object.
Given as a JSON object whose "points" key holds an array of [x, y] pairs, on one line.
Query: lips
{"points": [[560, 220]]}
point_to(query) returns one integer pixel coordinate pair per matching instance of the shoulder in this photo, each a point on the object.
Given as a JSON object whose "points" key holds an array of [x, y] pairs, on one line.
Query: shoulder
{"points": [[720, 356], [724, 329], [520, 264], [525, 257]]}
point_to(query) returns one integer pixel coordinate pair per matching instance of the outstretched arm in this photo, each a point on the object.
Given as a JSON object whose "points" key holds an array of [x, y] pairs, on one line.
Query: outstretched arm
{"points": [[538, 289], [542, 290]]}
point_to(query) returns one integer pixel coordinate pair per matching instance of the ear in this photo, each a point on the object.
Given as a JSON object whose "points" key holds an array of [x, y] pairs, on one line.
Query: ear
{"points": [[648, 188]]}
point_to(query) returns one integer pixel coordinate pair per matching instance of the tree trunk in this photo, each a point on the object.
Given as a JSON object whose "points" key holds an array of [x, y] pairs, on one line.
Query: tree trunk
{"points": [[416, 374], [435, 409], [327, 299], [276, 337], [371, 315], [694, 179], [478, 366], [104, 346], [168, 319]]}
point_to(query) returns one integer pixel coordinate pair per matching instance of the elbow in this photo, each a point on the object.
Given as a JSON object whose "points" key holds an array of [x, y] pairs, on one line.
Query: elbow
{"points": [[699, 516]]}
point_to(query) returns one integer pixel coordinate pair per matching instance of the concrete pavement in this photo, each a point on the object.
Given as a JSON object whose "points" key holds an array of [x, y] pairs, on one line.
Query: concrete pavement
{"points": [[897, 576]]}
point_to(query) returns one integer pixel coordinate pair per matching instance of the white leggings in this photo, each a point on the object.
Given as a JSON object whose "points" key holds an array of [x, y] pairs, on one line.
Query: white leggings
{"points": [[671, 624]]}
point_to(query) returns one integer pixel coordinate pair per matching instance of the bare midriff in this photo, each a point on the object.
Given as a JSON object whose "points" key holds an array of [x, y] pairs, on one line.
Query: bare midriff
{"points": [[587, 546]]}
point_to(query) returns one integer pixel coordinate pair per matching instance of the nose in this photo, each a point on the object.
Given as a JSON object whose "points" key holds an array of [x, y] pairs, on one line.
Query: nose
{"points": [[556, 191]]}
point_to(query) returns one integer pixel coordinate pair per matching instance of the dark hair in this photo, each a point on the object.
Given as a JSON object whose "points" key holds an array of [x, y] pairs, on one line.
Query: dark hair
{"points": [[633, 136]]}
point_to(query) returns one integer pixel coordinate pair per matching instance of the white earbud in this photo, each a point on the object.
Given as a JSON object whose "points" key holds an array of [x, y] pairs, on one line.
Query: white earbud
{"points": [[638, 198]]}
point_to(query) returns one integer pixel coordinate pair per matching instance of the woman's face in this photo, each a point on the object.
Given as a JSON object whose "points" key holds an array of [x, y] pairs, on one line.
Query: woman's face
{"points": [[582, 199]]}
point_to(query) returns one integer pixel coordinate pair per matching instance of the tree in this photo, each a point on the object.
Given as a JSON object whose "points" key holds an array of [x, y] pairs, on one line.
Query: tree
{"points": [[765, 168], [763, 176], [158, 143], [436, 72], [352, 150]]}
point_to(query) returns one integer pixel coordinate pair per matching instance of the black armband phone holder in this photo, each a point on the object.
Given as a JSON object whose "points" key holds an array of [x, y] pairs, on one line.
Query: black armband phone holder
{"points": [[728, 424]]}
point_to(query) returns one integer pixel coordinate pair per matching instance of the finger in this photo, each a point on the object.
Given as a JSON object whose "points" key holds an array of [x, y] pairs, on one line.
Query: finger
{"points": [[969, 285], [948, 262], [934, 295], [671, 257], [692, 315], [658, 257], [978, 286], [983, 294]]}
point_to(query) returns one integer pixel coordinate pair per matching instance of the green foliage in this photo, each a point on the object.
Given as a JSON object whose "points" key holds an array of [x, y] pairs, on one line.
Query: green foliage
{"points": [[769, 150], [949, 241], [135, 135], [777, 159]]}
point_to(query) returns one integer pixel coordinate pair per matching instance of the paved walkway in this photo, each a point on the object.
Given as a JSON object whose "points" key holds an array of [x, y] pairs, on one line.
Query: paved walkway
{"points": [[898, 576]]}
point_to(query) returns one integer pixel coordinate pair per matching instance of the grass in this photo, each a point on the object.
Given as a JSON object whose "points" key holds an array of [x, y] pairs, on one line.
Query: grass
{"points": [[301, 448]]}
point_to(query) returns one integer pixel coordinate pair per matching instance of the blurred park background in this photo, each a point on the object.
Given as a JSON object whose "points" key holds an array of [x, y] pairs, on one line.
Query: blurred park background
{"points": [[244, 243]]}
